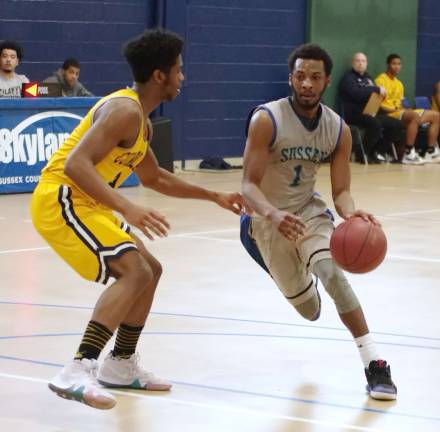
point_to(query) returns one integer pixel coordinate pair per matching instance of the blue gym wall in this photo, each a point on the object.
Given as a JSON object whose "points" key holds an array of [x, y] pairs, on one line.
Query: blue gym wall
{"points": [[235, 54], [428, 47], [92, 31], [235, 58]]}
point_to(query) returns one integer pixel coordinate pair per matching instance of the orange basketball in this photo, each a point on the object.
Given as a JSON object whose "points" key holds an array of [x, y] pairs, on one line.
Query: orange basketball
{"points": [[358, 246]]}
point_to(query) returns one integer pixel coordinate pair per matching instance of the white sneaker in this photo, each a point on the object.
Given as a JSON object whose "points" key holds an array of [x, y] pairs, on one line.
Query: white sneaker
{"points": [[381, 157], [127, 373], [433, 157], [77, 381], [413, 158]]}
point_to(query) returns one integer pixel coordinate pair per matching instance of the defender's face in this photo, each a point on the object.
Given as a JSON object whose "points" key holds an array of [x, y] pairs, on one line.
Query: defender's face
{"points": [[71, 75], [308, 81], [174, 80], [395, 66], [8, 60]]}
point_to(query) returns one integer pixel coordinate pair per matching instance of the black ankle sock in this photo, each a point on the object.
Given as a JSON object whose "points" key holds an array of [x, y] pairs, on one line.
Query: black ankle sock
{"points": [[126, 340], [408, 149], [93, 341], [430, 149]]}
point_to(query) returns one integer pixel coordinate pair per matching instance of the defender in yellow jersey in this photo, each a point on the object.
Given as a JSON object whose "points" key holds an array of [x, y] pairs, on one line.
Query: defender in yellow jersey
{"points": [[82, 231], [72, 208], [411, 119]]}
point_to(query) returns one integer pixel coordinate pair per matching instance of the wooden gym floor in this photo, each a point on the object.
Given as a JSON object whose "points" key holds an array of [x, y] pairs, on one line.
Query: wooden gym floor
{"points": [[239, 356]]}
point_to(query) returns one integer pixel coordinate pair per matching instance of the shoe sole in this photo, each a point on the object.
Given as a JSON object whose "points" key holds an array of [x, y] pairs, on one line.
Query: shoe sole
{"points": [[154, 387], [94, 403], [381, 395]]}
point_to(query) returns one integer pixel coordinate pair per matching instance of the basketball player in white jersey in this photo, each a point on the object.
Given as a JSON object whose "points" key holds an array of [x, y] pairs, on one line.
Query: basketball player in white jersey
{"points": [[290, 231]]}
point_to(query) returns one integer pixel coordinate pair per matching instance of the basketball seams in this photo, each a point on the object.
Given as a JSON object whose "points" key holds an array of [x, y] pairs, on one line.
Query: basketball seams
{"points": [[382, 254], [366, 238], [357, 248], [347, 227]]}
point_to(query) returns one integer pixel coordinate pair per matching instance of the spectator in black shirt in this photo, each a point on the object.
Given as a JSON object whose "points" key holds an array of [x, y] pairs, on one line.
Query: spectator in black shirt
{"points": [[355, 88]]}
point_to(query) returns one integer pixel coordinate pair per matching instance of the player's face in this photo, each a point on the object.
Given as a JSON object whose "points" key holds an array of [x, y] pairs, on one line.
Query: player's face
{"points": [[308, 81], [359, 63], [174, 80], [395, 66], [8, 60], [71, 75]]}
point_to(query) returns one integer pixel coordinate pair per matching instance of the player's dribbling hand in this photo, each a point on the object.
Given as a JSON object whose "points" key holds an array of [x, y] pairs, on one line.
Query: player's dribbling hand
{"points": [[289, 225], [367, 217], [233, 202], [147, 220]]}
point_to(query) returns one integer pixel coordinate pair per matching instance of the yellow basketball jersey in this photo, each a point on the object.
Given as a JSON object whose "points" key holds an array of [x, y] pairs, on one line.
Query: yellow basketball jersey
{"points": [[394, 89], [115, 167]]}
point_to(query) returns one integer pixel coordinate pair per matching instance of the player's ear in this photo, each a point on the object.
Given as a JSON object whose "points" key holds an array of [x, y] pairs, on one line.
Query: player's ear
{"points": [[290, 80], [159, 76], [328, 80]]}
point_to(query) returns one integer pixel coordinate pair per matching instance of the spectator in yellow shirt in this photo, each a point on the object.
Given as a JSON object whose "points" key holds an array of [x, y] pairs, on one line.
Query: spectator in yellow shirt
{"points": [[411, 119]]}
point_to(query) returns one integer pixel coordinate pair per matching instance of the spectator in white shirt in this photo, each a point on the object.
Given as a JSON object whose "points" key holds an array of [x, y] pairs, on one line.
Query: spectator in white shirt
{"points": [[10, 83]]}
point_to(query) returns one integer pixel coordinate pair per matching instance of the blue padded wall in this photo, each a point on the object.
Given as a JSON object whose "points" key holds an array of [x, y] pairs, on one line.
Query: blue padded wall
{"points": [[428, 47], [235, 58], [235, 55], [92, 31]]}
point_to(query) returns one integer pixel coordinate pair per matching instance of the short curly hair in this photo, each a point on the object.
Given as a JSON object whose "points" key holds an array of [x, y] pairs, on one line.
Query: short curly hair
{"points": [[392, 57], [8, 44], [311, 52], [151, 50]]}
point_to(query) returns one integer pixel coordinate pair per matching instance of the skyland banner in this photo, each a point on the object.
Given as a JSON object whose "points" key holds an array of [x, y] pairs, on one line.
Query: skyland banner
{"points": [[30, 132]]}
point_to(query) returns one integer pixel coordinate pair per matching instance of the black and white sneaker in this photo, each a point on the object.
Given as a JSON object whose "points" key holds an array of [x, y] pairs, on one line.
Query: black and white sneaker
{"points": [[380, 385]]}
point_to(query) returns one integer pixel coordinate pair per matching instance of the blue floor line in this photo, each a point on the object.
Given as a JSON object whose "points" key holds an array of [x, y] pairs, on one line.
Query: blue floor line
{"points": [[226, 319], [166, 333]]}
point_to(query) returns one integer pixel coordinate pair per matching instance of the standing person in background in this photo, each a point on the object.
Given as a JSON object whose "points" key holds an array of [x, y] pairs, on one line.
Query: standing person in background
{"points": [[68, 77], [411, 119], [11, 54]]}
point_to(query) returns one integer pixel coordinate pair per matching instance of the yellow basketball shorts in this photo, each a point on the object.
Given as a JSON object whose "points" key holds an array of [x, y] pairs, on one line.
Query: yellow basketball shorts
{"points": [[399, 114], [84, 234]]}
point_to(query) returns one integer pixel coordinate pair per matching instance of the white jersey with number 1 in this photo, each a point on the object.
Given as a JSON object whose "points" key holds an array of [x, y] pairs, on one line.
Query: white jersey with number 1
{"points": [[296, 154]]}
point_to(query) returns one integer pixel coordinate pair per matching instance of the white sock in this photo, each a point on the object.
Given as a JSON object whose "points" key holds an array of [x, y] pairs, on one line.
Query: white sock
{"points": [[367, 349]]}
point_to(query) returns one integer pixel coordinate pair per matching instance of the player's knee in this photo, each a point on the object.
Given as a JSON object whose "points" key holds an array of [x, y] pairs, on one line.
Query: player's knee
{"points": [[156, 268], [133, 268], [311, 308], [414, 118], [336, 285], [141, 277]]}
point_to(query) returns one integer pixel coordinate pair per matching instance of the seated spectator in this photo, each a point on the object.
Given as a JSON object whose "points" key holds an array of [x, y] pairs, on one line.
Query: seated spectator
{"points": [[68, 77], [355, 88], [435, 98], [411, 119], [10, 82]]}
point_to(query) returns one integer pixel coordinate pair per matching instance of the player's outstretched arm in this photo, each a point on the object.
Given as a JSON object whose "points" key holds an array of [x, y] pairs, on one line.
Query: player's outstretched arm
{"points": [[256, 157], [160, 180], [341, 178]]}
